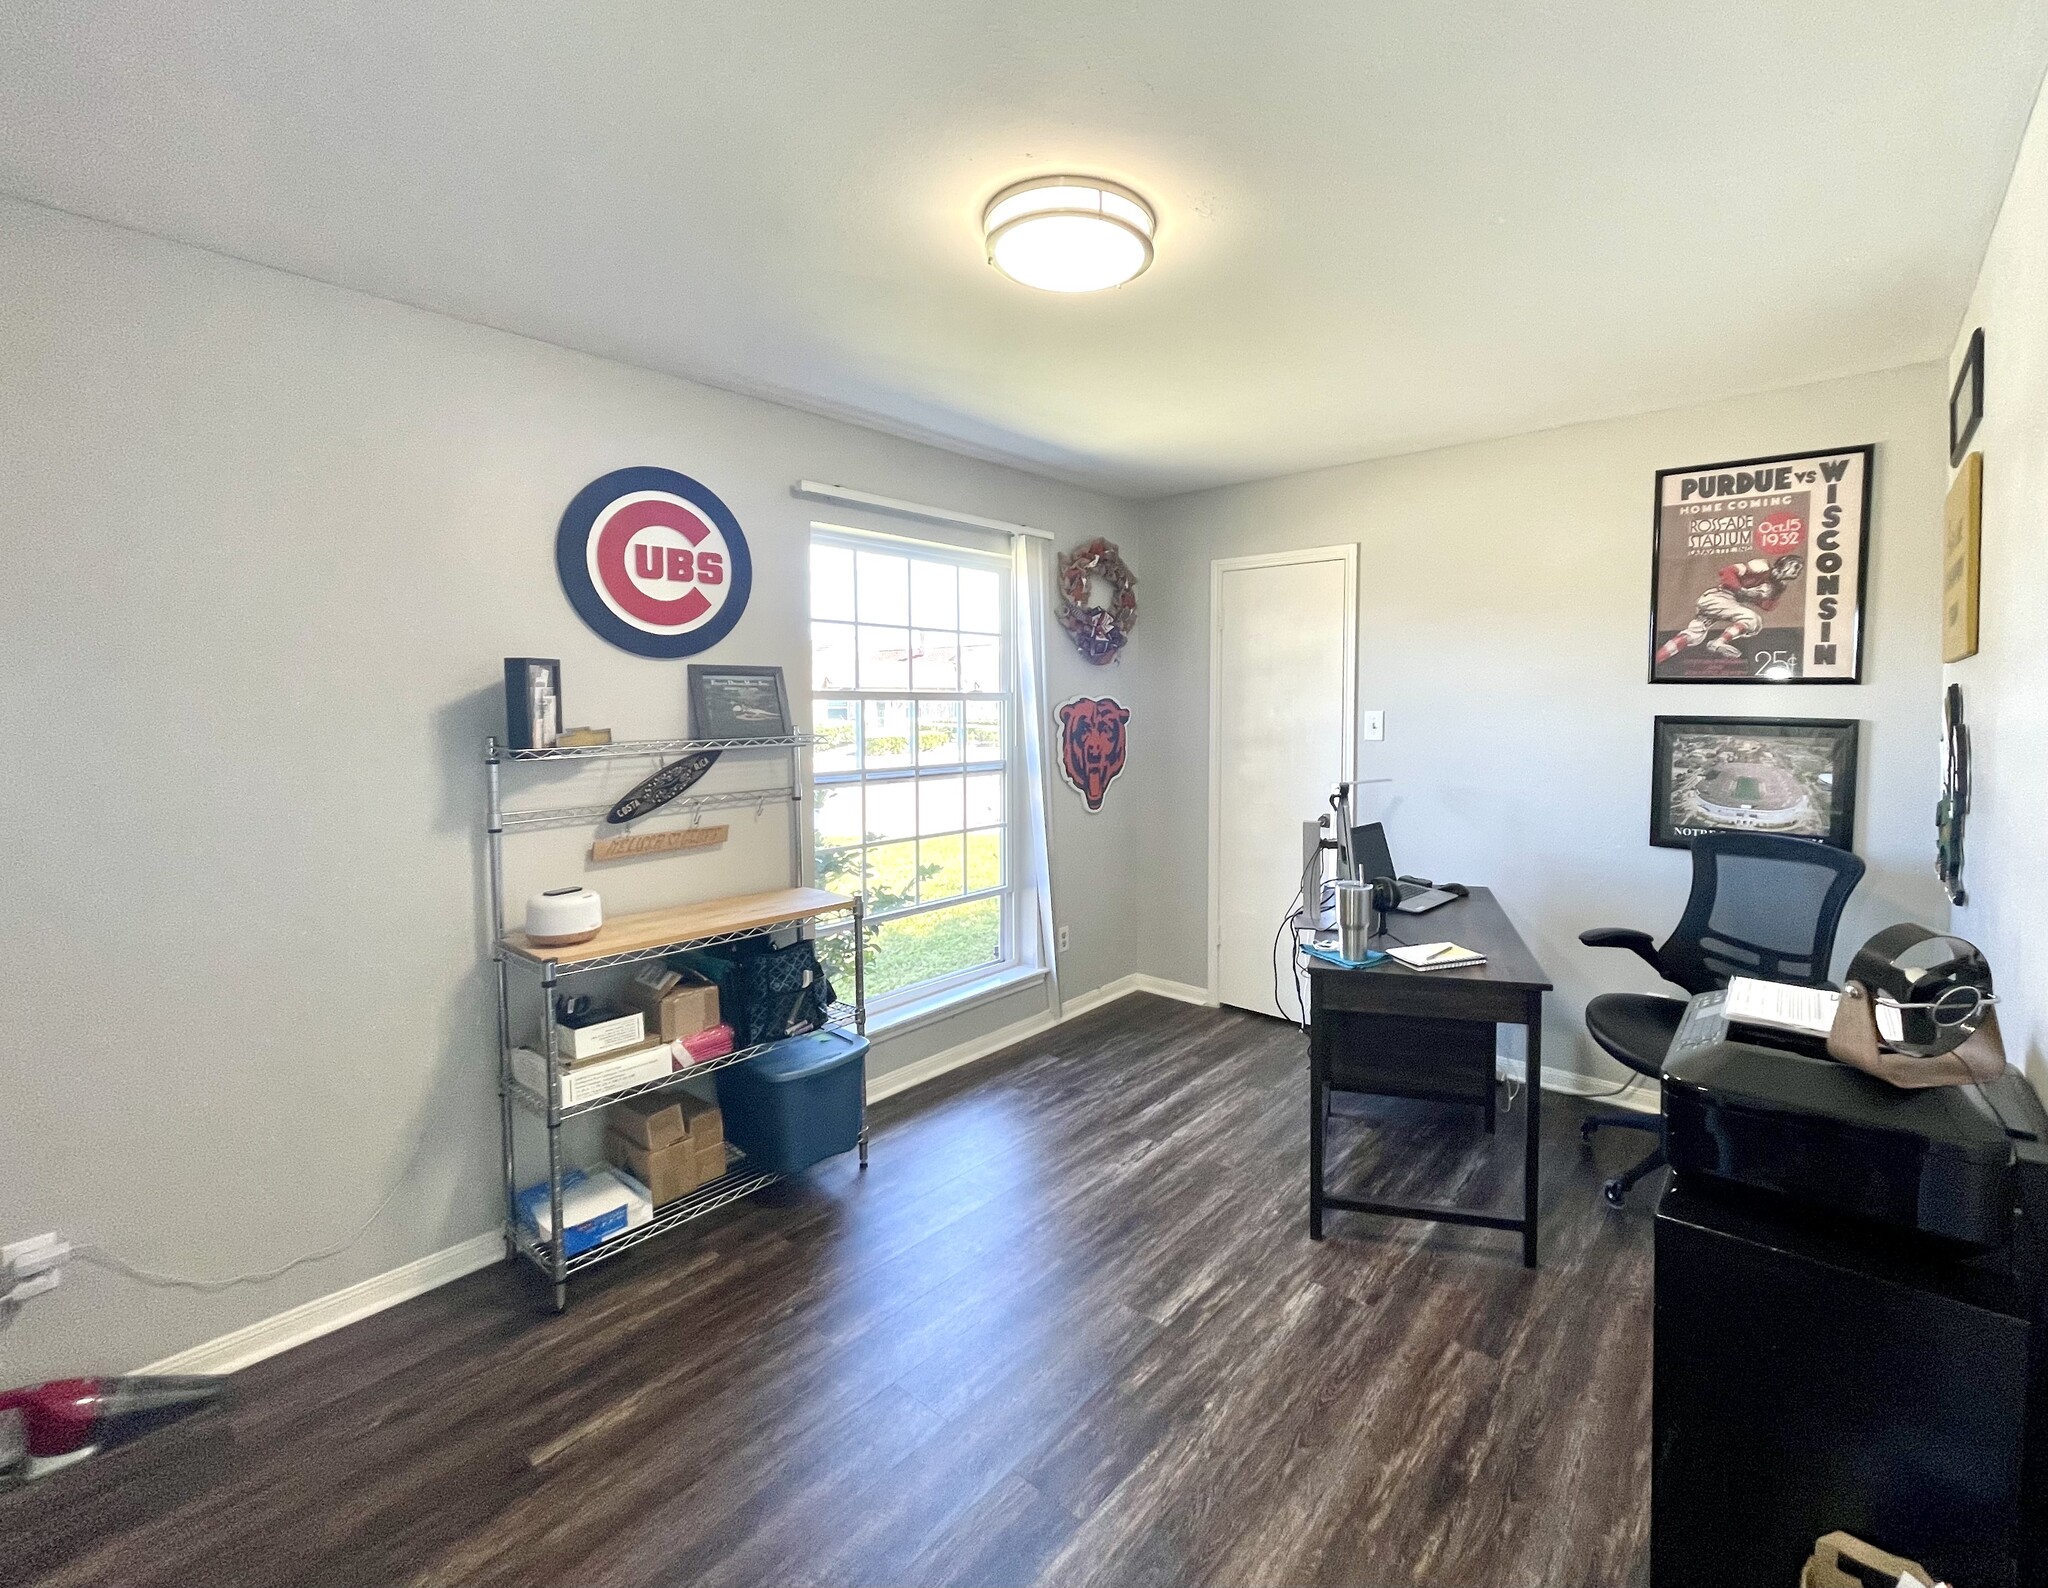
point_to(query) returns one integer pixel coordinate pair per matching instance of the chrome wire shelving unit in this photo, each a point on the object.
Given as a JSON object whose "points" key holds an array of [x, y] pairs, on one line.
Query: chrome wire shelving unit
{"points": [[632, 940]]}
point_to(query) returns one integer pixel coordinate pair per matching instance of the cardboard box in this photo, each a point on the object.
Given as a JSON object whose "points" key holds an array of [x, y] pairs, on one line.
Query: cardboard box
{"points": [[585, 1083], [595, 1040], [677, 1005], [650, 1123], [710, 1161], [702, 1122], [667, 1172]]}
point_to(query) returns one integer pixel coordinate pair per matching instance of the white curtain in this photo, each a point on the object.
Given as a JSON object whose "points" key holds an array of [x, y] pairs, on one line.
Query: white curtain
{"points": [[1031, 580]]}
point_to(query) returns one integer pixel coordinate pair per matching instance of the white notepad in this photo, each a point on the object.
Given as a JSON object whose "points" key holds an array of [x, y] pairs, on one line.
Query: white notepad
{"points": [[1436, 956]]}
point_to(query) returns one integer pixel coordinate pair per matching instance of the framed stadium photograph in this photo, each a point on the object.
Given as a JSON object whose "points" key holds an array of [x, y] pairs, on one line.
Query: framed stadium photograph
{"points": [[1757, 572], [1789, 775]]}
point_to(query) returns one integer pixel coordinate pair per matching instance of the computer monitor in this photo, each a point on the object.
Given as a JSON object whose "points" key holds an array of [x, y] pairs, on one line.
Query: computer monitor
{"points": [[1369, 855]]}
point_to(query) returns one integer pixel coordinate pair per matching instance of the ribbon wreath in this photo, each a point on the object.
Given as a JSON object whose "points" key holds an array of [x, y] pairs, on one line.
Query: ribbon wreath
{"points": [[1100, 632]]}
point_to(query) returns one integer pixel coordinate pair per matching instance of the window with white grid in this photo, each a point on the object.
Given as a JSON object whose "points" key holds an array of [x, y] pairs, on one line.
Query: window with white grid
{"points": [[912, 706]]}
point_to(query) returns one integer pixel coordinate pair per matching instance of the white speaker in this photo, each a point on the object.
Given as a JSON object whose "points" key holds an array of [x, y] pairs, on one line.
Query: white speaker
{"points": [[562, 916]]}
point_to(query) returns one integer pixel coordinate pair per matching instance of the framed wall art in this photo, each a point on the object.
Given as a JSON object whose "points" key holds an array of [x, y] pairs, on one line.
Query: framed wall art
{"points": [[1789, 775], [738, 703], [1961, 544], [1966, 400], [1757, 572]]}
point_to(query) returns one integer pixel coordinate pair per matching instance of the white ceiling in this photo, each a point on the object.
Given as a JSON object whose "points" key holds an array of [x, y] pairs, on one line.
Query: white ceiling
{"points": [[1383, 226]]}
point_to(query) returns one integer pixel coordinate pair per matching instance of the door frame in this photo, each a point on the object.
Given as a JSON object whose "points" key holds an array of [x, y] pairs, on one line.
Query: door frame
{"points": [[1347, 755]]}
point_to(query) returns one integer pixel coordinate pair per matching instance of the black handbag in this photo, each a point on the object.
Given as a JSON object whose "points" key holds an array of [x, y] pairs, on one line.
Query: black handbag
{"points": [[767, 993]]}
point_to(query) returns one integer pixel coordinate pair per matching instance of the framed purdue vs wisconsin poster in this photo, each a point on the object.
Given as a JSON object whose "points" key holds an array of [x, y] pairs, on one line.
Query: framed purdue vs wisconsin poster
{"points": [[1758, 571]]}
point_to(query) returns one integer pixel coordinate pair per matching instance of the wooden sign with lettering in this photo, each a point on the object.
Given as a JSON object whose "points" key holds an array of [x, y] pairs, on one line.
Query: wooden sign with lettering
{"points": [[638, 844]]}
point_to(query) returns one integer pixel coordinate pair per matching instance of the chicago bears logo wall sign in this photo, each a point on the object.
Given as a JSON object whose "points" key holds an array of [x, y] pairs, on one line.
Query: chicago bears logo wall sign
{"points": [[654, 562], [1092, 745]]}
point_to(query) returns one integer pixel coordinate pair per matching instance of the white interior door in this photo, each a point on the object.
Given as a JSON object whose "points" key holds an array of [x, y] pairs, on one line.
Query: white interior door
{"points": [[1281, 707]]}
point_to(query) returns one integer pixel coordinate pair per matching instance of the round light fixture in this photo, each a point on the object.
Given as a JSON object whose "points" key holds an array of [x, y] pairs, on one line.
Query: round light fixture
{"points": [[1068, 233]]}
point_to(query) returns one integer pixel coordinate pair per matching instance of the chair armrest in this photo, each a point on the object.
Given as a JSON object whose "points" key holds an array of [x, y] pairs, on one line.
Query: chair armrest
{"points": [[1637, 943]]}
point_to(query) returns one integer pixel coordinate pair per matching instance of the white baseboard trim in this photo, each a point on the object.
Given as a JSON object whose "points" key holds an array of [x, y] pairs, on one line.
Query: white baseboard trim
{"points": [[916, 1073], [1183, 992], [1640, 1099], [324, 1314], [891, 1082]]}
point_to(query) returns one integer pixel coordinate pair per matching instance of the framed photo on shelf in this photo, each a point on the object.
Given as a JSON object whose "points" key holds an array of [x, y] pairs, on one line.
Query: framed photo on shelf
{"points": [[1966, 400], [738, 703], [1789, 775], [1756, 576]]}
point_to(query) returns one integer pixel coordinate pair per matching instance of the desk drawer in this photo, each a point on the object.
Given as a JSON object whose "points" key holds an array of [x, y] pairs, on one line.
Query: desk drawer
{"points": [[1409, 1056], [1443, 995]]}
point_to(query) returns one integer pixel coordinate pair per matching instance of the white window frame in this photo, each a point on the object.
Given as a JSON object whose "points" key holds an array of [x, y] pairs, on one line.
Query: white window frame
{"points": [[1017, 957]]}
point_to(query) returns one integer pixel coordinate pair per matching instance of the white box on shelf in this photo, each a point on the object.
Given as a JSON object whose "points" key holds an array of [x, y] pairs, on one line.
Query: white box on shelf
{"points": [[584, 1083], [596, 1205], [606, 1036]]}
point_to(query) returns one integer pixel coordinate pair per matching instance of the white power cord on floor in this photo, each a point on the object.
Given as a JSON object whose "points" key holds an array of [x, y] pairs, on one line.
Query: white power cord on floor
{"points": [[100, 1257]]}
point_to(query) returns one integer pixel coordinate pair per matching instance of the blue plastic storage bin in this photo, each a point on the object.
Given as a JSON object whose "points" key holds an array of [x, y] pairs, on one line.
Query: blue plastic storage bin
{"points": [[797, 1104]]}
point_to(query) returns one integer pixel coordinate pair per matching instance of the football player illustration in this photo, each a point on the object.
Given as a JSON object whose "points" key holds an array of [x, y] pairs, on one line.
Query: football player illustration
{"points": [[1734, 607]]}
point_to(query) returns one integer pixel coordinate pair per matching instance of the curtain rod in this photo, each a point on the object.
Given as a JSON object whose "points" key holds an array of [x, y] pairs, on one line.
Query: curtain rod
{"points": [[820, 492]]}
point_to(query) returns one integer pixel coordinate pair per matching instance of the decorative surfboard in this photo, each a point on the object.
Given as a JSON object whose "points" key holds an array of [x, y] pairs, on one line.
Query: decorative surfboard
{"points": [[647, 797]]}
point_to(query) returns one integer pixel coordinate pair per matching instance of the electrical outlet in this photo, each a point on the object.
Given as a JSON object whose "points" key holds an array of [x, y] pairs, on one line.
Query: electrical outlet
{"points": [[32, 1256], [1060, 937], [30, 1268], [23, 1290]]}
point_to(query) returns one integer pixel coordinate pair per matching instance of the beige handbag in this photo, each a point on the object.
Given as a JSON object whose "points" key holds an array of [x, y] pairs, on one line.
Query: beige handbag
{"points": [[1824, 1566]]}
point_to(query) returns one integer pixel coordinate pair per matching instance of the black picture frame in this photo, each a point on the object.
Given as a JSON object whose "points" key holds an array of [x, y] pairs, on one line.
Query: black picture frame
{"points": [[1827, 597], [1682, 785], [728, 702], [1969, 386], [531, 722]]}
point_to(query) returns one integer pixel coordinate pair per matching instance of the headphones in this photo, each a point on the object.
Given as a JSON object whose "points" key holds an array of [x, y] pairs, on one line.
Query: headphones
{"points": [[1386, 894]]}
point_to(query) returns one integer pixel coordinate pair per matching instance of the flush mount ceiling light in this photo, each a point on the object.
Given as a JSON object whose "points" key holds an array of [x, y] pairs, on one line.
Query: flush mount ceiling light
{"points": [[1068, 233]]}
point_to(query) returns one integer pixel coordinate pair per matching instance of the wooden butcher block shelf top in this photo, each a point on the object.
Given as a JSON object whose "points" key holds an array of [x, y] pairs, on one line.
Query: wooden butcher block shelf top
{"points": [[633, 934]]}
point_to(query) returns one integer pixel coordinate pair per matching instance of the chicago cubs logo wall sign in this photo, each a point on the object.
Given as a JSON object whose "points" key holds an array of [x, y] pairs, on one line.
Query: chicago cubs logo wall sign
{"points": [[654, 562]]}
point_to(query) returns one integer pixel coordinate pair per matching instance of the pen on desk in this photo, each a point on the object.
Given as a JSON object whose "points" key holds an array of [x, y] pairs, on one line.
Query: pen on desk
{"points": [[1439, 953]]}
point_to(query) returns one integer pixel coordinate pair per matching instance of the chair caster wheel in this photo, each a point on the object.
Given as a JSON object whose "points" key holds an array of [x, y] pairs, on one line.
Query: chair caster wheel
{"points": [[1615, 1193], [1587, 1127]]}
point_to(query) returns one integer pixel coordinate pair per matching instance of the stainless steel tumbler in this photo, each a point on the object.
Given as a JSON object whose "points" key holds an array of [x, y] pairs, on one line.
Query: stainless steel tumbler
{"points": [[1354, 919]]}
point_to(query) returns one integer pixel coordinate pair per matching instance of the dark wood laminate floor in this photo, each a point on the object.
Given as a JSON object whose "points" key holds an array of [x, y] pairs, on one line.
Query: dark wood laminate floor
{"points": [[1069, 1329]]}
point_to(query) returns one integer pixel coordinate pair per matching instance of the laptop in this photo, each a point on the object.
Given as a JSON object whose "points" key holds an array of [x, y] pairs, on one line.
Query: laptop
{"points": [[1370, 859]]}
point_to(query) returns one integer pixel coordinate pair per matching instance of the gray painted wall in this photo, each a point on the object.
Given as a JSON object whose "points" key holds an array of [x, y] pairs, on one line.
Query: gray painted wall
{"points": [[266, 542], [1503, 605], [2005, 685]]}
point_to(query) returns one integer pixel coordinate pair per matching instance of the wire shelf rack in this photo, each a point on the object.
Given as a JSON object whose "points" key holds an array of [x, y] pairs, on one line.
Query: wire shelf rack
{"points": [[738, 1181], [756, 918], [842, 1017], [583, 815], [657, 747]]}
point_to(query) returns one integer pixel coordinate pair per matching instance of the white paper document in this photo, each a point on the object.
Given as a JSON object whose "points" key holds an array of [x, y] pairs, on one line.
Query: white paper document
{"points": [[1810, 1010]]}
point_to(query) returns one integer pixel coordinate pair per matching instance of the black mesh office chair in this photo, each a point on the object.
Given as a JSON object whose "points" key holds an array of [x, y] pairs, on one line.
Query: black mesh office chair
{"points": [[1761, 906]]}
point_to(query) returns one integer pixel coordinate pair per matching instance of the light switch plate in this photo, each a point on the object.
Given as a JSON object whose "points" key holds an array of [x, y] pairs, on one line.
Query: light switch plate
{"points": [[1373, 724]]}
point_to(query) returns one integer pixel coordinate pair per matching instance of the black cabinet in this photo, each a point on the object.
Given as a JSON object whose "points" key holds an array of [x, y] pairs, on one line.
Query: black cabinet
{"points": [[1812, 1376]]}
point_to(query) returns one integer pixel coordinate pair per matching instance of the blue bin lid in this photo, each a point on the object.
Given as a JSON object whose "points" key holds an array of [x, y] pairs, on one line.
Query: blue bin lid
{"points": [[795, 1058]]}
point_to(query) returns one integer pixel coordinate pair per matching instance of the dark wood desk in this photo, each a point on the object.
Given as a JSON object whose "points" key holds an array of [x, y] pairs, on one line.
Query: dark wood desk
{"points": [[1507, 990]]}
